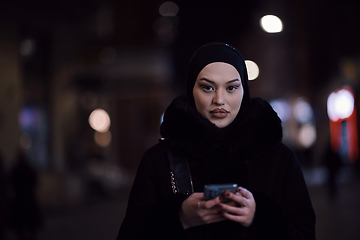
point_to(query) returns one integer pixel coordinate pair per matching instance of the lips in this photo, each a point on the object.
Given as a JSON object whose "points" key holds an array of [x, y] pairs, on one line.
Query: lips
{"points": [[219, 113]]}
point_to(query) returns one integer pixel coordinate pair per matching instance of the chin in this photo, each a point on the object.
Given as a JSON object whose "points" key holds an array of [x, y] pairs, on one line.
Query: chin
{"points": [[221, 124]]}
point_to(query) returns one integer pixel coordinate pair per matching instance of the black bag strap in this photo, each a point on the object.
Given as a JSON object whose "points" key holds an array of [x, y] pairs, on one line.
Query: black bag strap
{"points": [[179, 170]]}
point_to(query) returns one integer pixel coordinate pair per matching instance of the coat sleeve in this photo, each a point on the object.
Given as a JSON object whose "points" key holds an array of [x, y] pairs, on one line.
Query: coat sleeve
{"points": [[153, 210]]}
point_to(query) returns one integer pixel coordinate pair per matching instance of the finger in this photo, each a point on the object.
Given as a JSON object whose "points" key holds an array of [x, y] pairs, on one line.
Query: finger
{"points": [[197, 195], [238, 198], [210, 203], [235, 218], [214, 218], [212, 211], [245, 193], [244, 202], [233, 210], [231, 203]]}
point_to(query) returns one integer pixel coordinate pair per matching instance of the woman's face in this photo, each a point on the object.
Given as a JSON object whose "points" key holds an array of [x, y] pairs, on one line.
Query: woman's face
{"points": [[218, 93]]}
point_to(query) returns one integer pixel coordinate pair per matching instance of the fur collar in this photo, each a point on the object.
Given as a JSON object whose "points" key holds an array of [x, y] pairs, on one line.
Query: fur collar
{"points": [[185, 129]]}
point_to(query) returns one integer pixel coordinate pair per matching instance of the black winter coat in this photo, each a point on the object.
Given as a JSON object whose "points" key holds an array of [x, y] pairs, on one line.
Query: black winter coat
{"points": [[251, 154]]}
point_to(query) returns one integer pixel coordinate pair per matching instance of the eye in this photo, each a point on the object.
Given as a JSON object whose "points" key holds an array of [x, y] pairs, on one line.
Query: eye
{"points": [[232, 88], [206, 88]]}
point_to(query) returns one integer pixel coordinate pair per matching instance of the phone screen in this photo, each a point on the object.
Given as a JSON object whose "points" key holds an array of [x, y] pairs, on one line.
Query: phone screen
{"points": [[213, 190]]}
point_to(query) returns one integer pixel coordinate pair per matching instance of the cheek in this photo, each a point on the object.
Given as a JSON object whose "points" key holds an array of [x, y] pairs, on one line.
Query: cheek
{"points": [[201, 101], [200, 104], [236, 102]]}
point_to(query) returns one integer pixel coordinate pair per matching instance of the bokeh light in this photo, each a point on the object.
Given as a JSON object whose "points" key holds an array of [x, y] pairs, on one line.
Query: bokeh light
{"points": [[114, 175], [29, 117], [99, 120], [302, 110], [282, 108], [27, 47], [271, 24], [252, 69], [166, 29], [103, 139], [307, 135], [340, 105], [168, 9]]}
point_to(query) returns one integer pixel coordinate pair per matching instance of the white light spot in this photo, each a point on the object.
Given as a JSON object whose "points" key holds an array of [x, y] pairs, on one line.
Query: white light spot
{"points": [[340, 105], [271, 24], [99, 120], [168, 9], [252, 69]]}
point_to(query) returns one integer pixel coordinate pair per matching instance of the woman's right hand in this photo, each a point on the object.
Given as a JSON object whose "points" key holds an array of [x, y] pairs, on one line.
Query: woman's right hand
{"points": [[195, 211]]}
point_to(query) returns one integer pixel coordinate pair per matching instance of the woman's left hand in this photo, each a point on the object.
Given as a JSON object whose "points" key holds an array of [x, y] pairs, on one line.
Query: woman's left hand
{"points": [[243, 211]]}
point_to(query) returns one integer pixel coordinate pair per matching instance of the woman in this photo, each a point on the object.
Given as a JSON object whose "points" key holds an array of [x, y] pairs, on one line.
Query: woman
{"points": [[226, 137]]}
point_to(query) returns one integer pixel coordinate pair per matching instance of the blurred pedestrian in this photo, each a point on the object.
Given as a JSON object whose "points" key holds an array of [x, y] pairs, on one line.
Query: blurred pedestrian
{"points": [[333, 164], [25, 215]]}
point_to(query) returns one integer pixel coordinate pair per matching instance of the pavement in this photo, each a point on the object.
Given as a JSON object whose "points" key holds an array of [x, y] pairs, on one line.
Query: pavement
{"points": [[338, 217]]}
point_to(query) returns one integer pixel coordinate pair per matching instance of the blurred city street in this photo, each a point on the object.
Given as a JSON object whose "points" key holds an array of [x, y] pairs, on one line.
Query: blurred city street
{"points": [[84, 86]]}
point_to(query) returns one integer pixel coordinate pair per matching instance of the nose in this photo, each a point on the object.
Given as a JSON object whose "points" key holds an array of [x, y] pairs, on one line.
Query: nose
{"points": [[219, 98]]}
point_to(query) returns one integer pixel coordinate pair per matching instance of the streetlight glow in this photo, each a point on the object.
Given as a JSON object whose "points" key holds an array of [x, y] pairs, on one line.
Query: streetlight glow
{"points": [[271, 24], [252, 69]]}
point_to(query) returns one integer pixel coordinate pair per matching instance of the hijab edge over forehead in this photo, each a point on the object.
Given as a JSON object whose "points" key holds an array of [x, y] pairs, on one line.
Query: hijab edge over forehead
{"points": [[218, 52]]}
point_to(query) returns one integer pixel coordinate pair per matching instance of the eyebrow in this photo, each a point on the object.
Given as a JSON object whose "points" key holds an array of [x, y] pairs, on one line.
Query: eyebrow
{"points": [[231, 81]]}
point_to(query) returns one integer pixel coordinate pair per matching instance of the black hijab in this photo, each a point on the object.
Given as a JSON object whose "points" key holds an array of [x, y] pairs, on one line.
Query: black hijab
{"points": [[219, 52]]}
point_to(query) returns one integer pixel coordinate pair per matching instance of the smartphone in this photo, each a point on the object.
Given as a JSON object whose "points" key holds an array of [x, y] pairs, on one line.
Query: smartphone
{"points": [[213, 190]]}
